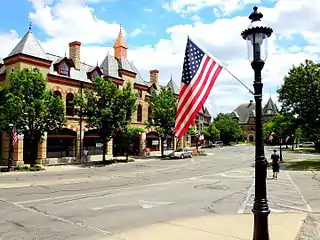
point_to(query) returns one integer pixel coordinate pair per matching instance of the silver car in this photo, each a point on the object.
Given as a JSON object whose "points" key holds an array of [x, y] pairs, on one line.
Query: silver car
{"points": [[307, 145], [181, 153]]}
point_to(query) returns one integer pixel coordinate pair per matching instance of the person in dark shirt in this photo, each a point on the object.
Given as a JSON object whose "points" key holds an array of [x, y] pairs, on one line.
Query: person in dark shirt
{"points": [[275, 164]]}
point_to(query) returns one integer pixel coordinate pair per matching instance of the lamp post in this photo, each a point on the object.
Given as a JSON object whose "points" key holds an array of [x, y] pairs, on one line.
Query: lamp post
{"points": [[256, 36], [10, 148]]}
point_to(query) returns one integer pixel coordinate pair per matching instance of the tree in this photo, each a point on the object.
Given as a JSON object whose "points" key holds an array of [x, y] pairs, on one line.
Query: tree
{"points": [[300, 96], [229, 129], [211, 132], [191, 131], [282, 126], [31, 108], [163, 106], [130, 133], [107, 108]]}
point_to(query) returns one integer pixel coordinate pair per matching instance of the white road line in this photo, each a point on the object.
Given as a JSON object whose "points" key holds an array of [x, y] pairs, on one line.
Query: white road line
{"points": [[285, 200], [298, 190], [245, 202], [271, 209], [291, 207], [112, 206]]}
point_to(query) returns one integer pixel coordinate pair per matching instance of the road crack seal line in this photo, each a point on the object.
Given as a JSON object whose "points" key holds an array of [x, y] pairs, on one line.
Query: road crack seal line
{"points": [[33, 209]]}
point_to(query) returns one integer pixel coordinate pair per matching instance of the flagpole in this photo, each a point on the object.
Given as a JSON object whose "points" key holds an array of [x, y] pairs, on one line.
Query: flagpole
{"points": [[225, 68]]}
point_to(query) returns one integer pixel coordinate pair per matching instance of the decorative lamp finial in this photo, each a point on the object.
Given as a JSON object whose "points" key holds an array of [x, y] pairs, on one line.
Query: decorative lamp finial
{"points": [[255, 15], [30, 27]]}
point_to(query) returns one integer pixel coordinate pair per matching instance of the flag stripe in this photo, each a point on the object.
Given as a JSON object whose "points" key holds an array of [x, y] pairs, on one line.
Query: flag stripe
{"points": [[14, 137], [194, 91], [187, 88], [202, 82], [199, 74], [192, 107], [200, 101]]}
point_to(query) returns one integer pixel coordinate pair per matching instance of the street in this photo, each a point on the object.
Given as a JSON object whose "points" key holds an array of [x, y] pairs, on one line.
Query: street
{"points": [[92, 203]]}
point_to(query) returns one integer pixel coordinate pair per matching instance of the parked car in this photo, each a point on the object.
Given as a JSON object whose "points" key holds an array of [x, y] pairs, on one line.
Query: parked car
{"points": [[307, 145], [217, 144], [181, 153]]}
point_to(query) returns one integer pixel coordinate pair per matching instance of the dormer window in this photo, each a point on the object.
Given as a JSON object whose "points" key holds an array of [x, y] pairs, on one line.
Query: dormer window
{"points": [[95, 74], [64, 69]]}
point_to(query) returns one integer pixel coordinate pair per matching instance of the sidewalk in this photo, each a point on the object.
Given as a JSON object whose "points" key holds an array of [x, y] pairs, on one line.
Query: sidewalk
{"points": [[284, 226]]}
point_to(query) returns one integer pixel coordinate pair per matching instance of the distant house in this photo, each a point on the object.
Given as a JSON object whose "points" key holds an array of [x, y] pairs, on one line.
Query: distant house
{"points": [[245, 114]]}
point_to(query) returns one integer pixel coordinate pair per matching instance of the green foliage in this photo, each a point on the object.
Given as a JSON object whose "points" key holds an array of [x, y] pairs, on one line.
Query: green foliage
{"points": [[229, 129], [298, 134], [191, 131], [107, 108], [163, 106], [300, 96], [281, 125], [211, 132], [130, 132], [31, 107]]}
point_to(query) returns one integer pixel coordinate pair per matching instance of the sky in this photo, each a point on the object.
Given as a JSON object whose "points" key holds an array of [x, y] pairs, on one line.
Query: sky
{"points": [[156, 33]]}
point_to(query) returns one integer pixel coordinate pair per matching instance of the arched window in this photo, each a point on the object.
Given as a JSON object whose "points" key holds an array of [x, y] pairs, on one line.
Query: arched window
{"points": [[57, 94], [64, 69], [69, 105], [149, 114], [139, 113]]}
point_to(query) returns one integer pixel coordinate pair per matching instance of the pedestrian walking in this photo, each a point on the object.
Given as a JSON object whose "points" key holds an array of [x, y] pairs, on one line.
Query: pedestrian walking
{"points": [[86, 156], [275, 163]]}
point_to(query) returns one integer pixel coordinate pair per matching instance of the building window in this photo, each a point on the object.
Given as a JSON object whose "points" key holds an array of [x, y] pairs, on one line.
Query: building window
{"points": [[69, 104], [139, 113], [64, 69], [95, 74], [57, 94], [139, 93]]}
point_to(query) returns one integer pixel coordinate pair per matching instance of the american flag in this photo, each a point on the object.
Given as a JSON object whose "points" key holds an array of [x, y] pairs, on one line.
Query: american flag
{"points": [[200, 72], [14, 136], [271, 136]]}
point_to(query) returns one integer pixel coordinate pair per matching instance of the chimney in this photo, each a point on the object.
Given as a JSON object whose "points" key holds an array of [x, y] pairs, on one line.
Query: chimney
{"points": [[74, 53], [154, 77]]}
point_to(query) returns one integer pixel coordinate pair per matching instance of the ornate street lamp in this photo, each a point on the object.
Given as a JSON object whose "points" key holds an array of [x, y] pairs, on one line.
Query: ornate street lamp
{"points": [[256, 36]]}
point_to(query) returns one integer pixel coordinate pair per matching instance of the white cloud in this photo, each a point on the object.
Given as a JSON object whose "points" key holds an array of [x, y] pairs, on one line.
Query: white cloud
{"points": [[62, 20], [196, 18], [147, 9], [189, 6], [221, 38], [136, 32], [7, 42]]}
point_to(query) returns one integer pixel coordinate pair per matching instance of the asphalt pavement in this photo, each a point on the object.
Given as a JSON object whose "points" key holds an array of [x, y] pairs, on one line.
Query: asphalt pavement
{"points": [[92, 203]]}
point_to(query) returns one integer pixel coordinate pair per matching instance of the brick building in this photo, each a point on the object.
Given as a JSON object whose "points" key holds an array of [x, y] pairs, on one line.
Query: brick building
{"points": [[67, 76], [245, 115]]}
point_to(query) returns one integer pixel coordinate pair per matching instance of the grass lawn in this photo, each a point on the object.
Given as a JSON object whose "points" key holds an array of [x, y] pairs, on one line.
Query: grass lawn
{"points": [[309, 164], [301, 150]]}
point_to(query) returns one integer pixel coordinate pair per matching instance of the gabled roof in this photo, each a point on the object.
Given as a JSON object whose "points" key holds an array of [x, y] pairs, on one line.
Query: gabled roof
{"points": [[206, 112], [270, 106], [80, 75], [111, 66], [28, 45], [244, 111], [172, 85]]}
